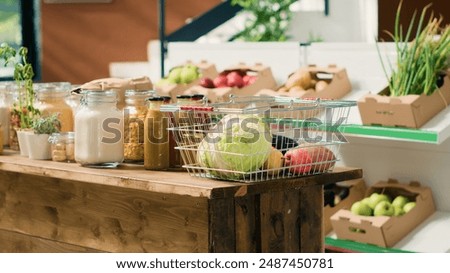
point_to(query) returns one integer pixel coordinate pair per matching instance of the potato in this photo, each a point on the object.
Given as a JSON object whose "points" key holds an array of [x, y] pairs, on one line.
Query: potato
{"points": [[309, 160], [274, 162], [321, 85], [301, 78]]}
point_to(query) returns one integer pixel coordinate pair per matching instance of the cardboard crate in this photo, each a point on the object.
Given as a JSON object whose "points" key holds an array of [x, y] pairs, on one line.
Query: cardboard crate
{"points": [[411, 111], [265, 79], [385, 231], [173, 90], [357, 190], [337, 79]]}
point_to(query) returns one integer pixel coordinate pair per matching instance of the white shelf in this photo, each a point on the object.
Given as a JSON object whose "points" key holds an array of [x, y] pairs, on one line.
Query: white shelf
{"points": [[435, 131]]}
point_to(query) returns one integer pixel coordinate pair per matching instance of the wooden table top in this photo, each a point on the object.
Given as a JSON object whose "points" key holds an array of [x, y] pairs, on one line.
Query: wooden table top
{"points": [[134, 176]]}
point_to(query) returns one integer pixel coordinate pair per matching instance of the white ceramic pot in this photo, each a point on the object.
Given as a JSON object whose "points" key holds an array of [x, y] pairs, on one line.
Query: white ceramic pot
{"points": [[38, 146], [21, 138]]}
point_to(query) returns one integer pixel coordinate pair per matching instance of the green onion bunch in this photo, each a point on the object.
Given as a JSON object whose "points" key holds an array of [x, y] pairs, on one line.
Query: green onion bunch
{"points": [[420, 62]]}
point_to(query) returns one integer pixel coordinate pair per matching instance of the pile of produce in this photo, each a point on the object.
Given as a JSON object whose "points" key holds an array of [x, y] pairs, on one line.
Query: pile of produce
{"points": [[184, 74], [301, 80], [379, 204], [242, 143], [230, 78]]}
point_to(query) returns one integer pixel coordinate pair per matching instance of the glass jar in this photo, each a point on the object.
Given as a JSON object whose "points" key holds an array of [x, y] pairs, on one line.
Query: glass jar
{"points": [[156, 142], [5, 111], [135, 111], [63, 146], [1, 139], [52, 99], [99, 130], [14, 92]]}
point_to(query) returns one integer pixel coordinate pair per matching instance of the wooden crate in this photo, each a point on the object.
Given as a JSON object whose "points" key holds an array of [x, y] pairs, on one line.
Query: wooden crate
{"points": [[49, 206]]}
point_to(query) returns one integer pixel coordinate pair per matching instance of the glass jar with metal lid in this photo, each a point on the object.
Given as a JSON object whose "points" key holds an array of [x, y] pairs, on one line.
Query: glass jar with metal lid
{"points": [[99, 130], [156, 139], [51, 98], [135, 111]]}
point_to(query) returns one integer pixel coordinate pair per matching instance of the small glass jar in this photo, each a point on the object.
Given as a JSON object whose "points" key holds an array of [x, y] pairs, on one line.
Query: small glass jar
{"points": [[99, 130], [1, 139], [63, 146], [5, 111], [52, 99], [135, 111], [156, 140]]}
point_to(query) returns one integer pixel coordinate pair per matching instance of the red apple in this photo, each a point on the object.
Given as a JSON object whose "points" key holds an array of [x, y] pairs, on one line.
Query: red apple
{"points": [[206, 82], [234, 79], [220, 81], [299, 159], [249, 79]]}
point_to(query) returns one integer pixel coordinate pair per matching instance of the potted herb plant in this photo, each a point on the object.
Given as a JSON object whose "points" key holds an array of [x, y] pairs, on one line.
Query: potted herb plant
{"points": [[419, 82], [23, 111], [37, 142]]}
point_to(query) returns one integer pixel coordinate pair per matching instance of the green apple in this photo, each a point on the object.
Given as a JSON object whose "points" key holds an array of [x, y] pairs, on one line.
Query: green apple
{"points": [[189, 73], [384, 208], [400, 201], [366, 201], [376, 198], [175, 75], [408, 206], [398, 211], [359, 208]]}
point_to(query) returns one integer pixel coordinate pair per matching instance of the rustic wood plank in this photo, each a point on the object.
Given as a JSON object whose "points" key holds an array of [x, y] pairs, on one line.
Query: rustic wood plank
{"points": [[13, 242], [247, 217], [311, 222], [222, 237], [280, 221], [102, 217], [136, 177]]}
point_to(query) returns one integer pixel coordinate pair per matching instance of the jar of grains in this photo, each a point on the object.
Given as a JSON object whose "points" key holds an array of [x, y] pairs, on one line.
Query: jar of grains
{"points": [[52, 99], [135, 111], [99, 130]]}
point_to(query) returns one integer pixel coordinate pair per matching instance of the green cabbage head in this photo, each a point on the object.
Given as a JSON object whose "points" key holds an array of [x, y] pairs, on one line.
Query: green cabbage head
{"points": [[239, 143]]}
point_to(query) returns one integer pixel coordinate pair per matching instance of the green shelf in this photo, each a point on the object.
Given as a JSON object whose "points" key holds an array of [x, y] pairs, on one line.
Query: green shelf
{"points": [[394, 133], [353, 246]]}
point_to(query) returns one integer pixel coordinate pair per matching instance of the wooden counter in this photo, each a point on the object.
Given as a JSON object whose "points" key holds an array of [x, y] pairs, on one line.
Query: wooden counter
{"points": [[49, 206]]}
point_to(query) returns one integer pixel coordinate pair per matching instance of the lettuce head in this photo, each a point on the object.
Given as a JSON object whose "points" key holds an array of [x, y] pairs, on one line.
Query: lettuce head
{"points": [[238, 143]]}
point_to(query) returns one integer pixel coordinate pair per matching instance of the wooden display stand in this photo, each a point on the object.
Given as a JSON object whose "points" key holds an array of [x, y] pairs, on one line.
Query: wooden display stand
{"points": [[49, 206]]}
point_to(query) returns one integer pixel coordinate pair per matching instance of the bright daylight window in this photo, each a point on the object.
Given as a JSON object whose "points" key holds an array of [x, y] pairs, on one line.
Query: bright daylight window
{"points": [[10, 30]]}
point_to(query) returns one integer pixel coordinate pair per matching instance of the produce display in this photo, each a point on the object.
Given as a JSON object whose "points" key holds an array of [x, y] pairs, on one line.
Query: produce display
{"points": [[230, 78], [183, 74], [379, 204]]}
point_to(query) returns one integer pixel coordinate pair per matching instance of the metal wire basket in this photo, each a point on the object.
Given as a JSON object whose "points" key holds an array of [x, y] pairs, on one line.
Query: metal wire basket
{"points": [[253, 139]]}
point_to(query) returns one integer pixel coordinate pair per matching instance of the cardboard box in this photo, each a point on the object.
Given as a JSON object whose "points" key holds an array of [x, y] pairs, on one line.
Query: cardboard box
{"points": [[264, 79], [411, 111], [385, 231], [173, 90], [357, 190], [337, 79]]}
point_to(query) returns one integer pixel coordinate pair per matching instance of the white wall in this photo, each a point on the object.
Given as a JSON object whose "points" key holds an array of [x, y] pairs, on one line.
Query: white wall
{"points": [[348, 21]]}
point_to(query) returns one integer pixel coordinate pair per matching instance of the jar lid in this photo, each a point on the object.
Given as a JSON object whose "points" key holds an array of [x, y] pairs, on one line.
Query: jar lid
{"points": [[58, 89], [143, 93], [155, 98], [100, 95], [184, 96], [198, 96], [57, 137]]}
